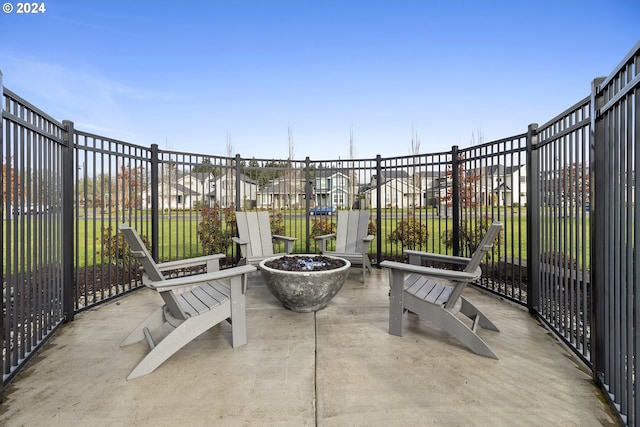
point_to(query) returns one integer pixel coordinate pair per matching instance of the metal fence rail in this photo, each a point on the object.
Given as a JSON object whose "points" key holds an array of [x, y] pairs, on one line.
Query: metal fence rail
{"points": [[32, 229]]}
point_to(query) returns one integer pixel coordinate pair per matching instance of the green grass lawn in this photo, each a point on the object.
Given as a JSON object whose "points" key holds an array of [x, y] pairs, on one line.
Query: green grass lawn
{"points": [[179, 238]]}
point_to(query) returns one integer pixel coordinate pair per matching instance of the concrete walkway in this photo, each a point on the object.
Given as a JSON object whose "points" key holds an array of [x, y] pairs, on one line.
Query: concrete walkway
{"points": [[336, 367]]}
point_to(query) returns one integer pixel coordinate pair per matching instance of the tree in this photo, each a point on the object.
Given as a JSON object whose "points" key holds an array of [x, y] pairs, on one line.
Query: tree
{"points": [[469, 191], [467, 186], [131, 182], [10, 180], [205, 167], [569, 184], [415, 150], [290, 187], [353, 182]]}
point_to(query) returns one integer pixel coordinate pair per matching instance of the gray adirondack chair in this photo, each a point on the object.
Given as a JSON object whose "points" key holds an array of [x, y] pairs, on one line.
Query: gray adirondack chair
{"points": [[255, 238], [436, 294], [352, 240], [192, 304]]}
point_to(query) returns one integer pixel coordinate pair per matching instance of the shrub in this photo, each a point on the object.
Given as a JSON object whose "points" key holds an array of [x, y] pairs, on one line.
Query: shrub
{"points": [[470, 235], [559, 259], [215, 238], [276, 223], [320, 227], [411, 233], [372, 228], [115, 247]]}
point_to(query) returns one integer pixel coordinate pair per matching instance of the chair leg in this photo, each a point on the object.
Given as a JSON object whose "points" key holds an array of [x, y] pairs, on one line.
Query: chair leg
{"points": [[396, 305], [472, 312], [449, 322], [155, 320], [461, 331], [178, 338], [238, 311]]}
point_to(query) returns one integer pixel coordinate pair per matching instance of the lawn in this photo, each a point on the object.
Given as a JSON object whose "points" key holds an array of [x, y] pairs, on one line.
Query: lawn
{"points": [[179, 238]]}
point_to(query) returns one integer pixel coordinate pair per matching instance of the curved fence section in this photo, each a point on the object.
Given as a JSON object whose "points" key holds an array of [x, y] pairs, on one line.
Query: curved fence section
{"points": [[561, 216], [32, 231], [615, 123]]}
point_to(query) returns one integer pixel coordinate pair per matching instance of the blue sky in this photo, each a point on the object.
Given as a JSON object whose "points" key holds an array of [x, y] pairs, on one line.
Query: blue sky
{"points": [[185, 75]]}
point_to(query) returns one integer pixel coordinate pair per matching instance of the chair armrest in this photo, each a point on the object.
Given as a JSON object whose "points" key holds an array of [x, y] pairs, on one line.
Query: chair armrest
{"points": [[436, 257], [238, 241], [284, 238], [212, 262], [243, 246], [326, 236], [323, 241], [458, 276], [288, 242], [367, 244], [181, 282]]}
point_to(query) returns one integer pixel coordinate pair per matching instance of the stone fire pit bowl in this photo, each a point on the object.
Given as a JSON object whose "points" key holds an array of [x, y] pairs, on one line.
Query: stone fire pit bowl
{"points": [[304, 290]]}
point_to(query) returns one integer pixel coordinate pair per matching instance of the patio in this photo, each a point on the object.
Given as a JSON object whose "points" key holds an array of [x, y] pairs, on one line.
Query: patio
{"points": [[338, 366]]}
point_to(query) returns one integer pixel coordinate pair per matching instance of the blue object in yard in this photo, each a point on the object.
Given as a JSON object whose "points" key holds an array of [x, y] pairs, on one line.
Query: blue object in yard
{"points": [[322, 210]]}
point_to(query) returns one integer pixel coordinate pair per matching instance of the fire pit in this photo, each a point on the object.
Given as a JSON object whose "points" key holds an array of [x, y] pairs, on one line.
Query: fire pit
{"points": [[304, 283]]}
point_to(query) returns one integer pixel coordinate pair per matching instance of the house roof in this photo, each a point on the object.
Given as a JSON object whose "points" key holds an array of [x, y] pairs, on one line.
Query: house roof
{"points": [[280, 187]]}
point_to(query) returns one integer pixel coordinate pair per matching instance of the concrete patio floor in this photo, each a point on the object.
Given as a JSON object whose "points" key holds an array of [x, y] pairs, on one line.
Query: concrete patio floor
{"points": [[336, 367]]}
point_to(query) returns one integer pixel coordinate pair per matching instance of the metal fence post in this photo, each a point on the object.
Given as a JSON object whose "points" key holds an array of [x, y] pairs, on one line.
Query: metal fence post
{"points": [[597, 200], [68, 308], [455, 199], [378, 210], [155, 217], [533, 220]]}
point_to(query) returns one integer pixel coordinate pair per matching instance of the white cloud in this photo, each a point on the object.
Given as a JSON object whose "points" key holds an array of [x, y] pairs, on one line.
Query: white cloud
{"points": [[91, 100]]}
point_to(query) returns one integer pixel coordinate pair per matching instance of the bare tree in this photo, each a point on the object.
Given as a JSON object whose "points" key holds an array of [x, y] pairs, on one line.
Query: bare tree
{"points": [[290, 135], [477, 137], [290, 173], [415, 151], [229, 181], [352, 144], [352, 173], [415, 142], [229, 145]]}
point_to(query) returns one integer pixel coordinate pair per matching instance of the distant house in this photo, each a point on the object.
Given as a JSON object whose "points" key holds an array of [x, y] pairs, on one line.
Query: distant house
{"points": [[172, 196], [485, 186], [434, 185], [331, 188], [396, 190], [195, 190], [283, 192], [500, 185], [222, 190]]}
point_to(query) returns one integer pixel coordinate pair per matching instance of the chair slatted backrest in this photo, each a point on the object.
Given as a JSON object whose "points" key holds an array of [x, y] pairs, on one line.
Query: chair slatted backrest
{"points": [[255, 228], [484, 247], [352, 227], [478, 255], [141, 254]]}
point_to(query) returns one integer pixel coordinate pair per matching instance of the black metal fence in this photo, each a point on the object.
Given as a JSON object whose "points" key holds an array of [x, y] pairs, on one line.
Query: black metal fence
{"points": [[567, 249], [32, 232], [559, 215], [615, 145]]}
